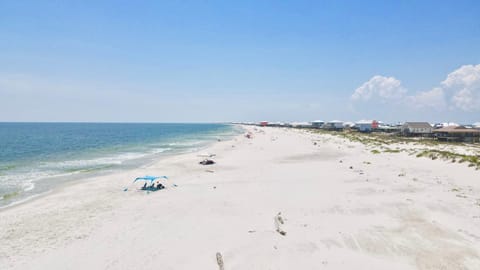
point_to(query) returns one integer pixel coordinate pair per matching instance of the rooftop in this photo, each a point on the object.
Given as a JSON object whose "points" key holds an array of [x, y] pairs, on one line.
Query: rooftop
{"points": [[457, 129], [418, 124]]}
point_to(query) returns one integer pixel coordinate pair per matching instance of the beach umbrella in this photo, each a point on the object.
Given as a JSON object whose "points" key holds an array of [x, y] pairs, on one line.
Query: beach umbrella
{"points": [[147, 178]]}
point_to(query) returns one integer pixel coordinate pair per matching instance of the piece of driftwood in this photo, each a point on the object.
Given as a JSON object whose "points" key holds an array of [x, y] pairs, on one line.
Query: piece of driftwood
{"points": [[220, 261], [278, 223]]}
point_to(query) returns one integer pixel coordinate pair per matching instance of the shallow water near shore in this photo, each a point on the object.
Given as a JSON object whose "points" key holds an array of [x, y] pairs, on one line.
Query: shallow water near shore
{"points": [[36, 157]]}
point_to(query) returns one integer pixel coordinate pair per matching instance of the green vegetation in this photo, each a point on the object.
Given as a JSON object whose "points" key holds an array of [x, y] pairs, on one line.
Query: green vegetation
{"points": [[378, 138], [392, 151], [382, 141], [473, 161]]}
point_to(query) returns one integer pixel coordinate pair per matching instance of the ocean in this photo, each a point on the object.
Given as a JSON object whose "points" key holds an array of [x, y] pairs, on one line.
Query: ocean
{"points": [[36, 157]]}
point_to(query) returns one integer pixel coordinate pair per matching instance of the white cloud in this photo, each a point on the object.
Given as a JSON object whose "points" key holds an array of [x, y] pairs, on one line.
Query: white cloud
{"points": [[467, 75], [459, 91], [467, 100], [434, 98], [385, 88], [463, 85]]}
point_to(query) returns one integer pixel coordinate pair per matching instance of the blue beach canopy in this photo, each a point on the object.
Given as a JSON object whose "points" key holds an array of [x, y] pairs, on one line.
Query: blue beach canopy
{"points": [[149, 178], [146, 178]]}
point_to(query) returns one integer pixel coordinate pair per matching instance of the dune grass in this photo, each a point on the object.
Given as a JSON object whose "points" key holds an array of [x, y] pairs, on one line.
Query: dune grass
{"points": [[381, 142], [473, 161]]}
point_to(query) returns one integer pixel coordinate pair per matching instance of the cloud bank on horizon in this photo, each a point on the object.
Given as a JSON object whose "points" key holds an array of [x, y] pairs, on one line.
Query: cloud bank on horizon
{"points": [[460, 91]]}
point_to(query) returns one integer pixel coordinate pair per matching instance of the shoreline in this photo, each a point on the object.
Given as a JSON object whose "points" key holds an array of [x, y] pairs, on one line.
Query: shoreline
{"points": [[142, 162], [67, 189], [341, 207]]}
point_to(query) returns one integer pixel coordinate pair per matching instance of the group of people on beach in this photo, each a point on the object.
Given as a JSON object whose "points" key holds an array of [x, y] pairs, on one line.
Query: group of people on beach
{"points": [[154, 186]]}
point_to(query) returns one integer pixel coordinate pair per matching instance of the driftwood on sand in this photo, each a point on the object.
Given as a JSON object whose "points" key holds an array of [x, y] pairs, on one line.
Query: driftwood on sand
{"points": [[278, 223], [220, 261]]}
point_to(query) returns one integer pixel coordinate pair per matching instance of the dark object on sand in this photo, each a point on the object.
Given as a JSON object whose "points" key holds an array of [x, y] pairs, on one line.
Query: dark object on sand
{"points": [[207, 162], [153, 187], [220, 261], [278, 223]]}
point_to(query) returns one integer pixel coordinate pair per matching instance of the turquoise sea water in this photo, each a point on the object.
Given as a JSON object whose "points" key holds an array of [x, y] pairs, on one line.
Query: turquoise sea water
{"points": [[35, 157]]}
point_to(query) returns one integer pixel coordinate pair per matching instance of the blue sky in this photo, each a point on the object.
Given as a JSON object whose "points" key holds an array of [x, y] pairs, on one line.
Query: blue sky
{"points": [[202, 61]]}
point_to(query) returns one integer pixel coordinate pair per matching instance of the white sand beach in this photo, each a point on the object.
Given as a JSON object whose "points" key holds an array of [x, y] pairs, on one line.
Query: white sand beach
{"points": [[342, 207]]}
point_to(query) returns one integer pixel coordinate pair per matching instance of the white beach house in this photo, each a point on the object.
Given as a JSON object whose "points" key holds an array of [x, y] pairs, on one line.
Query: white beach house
{"points": [[318, 123], [334, 124], [416, 129], [364, 125]]}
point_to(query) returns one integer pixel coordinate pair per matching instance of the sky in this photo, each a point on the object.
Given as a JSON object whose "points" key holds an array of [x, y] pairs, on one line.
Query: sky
{"points": [[218, 61]]}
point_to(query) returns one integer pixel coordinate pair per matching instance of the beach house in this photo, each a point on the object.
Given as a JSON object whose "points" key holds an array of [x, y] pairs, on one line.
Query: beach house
{"points": [[416, 129], [348, 125], [366, 125], [301, 124], [333, 125], [387, 128], [457, 134], [317, 123]]}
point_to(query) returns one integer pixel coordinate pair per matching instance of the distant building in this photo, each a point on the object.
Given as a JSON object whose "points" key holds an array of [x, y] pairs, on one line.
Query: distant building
{"points": [[263, 123], [457, 134], [366, 125], [348, 124], [276, 124], [448, 124], [334, 125], [301, 125], [416, 129], [318, 123], [388, 128]]}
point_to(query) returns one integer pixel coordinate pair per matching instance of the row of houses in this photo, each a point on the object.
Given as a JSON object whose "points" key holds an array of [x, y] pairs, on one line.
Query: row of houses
{"points": [[443, 132], [364, 125], [452, 133]]}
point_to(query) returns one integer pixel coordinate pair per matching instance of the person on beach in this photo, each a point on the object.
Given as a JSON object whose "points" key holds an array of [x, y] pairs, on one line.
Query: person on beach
{"points": [[160, 186]]}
